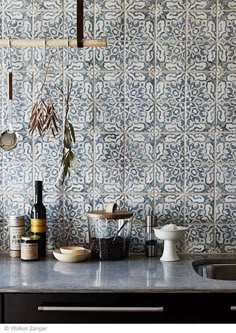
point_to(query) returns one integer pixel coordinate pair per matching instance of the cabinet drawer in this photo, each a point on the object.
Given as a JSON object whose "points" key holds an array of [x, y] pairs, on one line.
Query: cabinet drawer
{"points": [[83, 308]]}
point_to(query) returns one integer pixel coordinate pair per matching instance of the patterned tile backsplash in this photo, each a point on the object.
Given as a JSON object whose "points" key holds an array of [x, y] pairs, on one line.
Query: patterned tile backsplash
{"points": [[154, 115]]}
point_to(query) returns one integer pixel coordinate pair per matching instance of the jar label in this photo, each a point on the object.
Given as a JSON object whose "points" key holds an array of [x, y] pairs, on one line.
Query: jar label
{"points": [[38, 225], [29, 251], [15, 234]]}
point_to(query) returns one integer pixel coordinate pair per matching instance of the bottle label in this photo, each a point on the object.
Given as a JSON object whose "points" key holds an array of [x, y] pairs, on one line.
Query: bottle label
{"points": [[29, 251], [38, 225], [15, 234]]}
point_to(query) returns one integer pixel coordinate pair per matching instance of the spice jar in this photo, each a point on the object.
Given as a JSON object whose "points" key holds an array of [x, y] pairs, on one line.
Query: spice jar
{"points": [[110, 232], [30, 248], [16, 226]]}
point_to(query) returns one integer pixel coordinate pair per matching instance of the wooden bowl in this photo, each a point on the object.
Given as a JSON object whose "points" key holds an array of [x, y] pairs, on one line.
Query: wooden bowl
{"points": [[71, 257]]}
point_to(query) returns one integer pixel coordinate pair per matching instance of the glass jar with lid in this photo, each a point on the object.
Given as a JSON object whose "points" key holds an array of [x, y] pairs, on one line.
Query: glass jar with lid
{"points": [[110, 232]]}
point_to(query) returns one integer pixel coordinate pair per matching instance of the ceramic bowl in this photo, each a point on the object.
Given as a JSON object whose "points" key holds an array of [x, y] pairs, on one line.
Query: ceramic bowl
{"points": [[169, 234], [73, 249], [71, 257]]}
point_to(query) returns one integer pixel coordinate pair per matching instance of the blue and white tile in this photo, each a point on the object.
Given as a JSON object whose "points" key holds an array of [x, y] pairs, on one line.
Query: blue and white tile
{"points": [[226, 238], [109, 87], [54, 235], [199, 178], [226, 209], [170, 148], [110, 58], [139, 88], [101, 199], [109, 148], [169, 177], [17, 24], [16, 203], [132, 5], [170, 40], [109, 117], [137, 237], [199, 148], [226, 101], [71, 5], [75, 207], [140, 204], [172, 4], [70, 24], [17, 59], [17, 167], [4, 238], [110, 25], [16, 5], [48, 24], [170, 102], [47, 162], [226, 178], [1, 208], [226, 42], [199, 238], [169, 209], [139, 56], [201, 90], [227, 4], [201, 5], [139, 177], [201, 41], [226, 148], [78, 59], [76, 233], [109, 177], [54, 207], [139, 147], [50, 59], [199, 209], [140, 26], [48, 5], [111, 5], [22, 101], [139, 117]]}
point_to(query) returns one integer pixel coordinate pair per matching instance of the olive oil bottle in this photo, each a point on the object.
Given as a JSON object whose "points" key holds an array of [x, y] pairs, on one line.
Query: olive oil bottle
{"points": [[38, 222]]}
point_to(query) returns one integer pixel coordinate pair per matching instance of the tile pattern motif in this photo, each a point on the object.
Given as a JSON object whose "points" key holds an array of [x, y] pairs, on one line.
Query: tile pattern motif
{"points": [[154, 114]]}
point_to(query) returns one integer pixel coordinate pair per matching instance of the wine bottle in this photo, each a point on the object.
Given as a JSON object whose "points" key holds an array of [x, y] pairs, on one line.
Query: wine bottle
{"points": [[38, 218]]}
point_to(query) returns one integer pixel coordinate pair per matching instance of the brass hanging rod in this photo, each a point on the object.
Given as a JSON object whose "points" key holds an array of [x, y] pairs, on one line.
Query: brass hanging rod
{"points": [[52, 42]]}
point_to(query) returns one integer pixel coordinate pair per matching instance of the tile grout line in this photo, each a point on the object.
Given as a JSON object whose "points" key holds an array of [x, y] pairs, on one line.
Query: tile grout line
{"points": [[155, 114], [94, 108], [185, 115], [125, 105], [215, 123]]}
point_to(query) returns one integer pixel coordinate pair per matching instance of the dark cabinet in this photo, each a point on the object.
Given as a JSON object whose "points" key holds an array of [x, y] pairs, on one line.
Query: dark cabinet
{"points": [[120, 308]]}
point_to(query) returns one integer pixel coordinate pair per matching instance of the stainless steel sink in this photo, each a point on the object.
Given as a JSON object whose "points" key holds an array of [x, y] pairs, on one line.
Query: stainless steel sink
{"points": [[219, 269]]}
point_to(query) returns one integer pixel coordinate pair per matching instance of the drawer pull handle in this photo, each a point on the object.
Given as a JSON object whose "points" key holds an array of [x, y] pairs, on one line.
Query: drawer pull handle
{"points": [[100, 309], [233, 308]]}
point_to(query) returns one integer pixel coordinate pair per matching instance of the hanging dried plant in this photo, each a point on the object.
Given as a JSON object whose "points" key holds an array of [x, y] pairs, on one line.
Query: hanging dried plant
{"points": [[43, 116], [69, 160]]}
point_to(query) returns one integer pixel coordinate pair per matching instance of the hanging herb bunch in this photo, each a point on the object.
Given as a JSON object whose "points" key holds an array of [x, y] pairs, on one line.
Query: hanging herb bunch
{"points": [[69, 160], [43, 116]]}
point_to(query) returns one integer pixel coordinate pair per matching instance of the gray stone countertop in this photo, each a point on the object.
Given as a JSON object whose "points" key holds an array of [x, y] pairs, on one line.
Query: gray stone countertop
{"points": [[136, 274]]}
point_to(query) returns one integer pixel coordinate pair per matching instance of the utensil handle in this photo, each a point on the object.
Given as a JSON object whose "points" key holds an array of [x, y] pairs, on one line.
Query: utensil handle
{"points": [[101, 309], [10, 88]]}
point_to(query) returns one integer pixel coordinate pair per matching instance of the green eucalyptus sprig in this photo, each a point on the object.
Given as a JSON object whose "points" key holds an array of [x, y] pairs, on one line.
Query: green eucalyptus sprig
{"points": [[69, 160]]}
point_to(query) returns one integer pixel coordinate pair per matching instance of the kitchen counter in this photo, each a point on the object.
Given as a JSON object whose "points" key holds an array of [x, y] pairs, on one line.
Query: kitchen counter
{"points": [[136, 274]]}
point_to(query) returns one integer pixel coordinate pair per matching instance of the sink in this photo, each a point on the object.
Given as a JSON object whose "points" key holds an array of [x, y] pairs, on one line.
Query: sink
{"points": [[218, 269]]}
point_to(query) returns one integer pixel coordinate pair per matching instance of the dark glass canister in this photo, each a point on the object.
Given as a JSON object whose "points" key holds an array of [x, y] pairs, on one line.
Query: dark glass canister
{"points": [[110, 232]]}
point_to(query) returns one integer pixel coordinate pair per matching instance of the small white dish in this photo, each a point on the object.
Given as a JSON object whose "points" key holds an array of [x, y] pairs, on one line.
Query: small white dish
{"points": [[170, 237], [71, 257], [72, 249]]}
